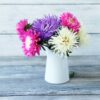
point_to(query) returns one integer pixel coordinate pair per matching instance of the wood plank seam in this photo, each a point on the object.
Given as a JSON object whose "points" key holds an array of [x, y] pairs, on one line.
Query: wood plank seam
{"points": [[49, 4]]}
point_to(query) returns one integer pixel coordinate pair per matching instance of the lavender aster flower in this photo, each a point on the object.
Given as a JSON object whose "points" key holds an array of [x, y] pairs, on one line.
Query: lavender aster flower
{"points": [[46, 26]]}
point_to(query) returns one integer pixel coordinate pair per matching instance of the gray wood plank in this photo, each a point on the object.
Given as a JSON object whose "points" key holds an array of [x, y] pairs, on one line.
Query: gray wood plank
{"points": [[10, 15], [11, 46], [21, 72], [26, 77], [81, 97], [48, 1], [31, 82], [40, 60]]}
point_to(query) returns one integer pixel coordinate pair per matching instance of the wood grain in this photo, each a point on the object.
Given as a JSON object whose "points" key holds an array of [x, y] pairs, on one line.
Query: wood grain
{"points": [[23, 78], [18, 67], [20, 76], [29, 81], [11, 14], [75, 97], [40, 60], [49, 1]]}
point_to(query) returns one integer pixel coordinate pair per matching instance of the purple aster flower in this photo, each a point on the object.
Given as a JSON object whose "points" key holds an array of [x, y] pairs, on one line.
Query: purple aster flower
{"points": [[46, 26]]}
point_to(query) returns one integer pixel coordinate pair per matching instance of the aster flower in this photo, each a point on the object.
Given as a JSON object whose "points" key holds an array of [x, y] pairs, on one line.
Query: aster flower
{"points": [[70, 21], [22, 28], [83, 36], [46, 26], [31, 45], [64, 42], [60, 35]]}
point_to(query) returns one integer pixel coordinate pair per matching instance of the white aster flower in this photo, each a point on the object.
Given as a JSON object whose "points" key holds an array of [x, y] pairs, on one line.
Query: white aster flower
{"points": [[64, 42], [83, 37]]}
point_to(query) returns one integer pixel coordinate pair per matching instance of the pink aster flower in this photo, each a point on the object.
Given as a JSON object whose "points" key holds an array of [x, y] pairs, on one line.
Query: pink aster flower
{"points": [[70, 21], [31, 45], [22, 28]]}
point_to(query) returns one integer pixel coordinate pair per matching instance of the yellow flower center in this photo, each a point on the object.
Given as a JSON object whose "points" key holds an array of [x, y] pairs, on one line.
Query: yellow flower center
{"points": [[65, 40], [71, 20]]}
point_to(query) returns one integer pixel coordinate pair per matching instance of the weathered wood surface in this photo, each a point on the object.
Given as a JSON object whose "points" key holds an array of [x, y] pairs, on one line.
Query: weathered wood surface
{"points": [[11, 14], [22, 76], [26, 78], [75, 97], [11, 46], [40, 61], [49, 1]]}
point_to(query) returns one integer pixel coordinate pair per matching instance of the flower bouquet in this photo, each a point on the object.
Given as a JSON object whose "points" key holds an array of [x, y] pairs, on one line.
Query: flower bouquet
{"points": [[58, 36]]}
